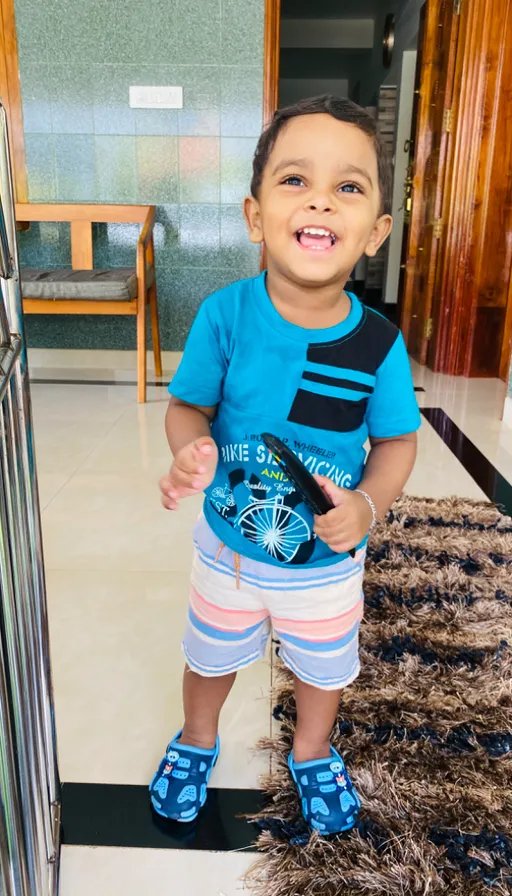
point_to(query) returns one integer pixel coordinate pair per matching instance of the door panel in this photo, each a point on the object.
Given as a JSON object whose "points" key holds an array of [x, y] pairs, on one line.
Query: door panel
{"points": [[438, 54]]}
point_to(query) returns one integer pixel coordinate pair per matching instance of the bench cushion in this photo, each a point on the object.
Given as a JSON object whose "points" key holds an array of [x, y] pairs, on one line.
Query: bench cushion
{"points": [[119, 284]]}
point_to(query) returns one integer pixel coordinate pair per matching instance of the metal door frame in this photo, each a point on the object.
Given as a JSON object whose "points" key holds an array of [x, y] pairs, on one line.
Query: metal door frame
{"points": [[29, 780]]}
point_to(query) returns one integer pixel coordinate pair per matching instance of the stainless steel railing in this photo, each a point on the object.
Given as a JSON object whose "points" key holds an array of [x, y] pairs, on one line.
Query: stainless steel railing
{"points": [[29, 781]]}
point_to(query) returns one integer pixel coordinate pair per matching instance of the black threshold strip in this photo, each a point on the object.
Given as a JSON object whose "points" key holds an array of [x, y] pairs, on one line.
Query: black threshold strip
{"points": [[479, 468], [38, 381], [121, 815]]}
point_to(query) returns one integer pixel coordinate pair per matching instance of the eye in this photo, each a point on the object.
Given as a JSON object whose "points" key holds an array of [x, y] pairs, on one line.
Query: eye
{"points": [[350, 188], [293, 181]]}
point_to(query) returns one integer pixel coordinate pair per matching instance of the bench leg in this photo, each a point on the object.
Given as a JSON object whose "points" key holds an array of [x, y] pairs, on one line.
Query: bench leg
{"points": [[155, 330], [141, 353]]}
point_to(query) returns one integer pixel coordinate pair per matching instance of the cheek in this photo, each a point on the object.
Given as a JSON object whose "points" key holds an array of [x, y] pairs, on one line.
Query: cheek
{"points": [[359, 226], [278, 213], [275, 227]]}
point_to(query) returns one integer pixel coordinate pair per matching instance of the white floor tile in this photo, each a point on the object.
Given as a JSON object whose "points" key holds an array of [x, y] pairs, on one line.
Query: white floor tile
{"points": [[137, 441], [113, 521], [141, 872], [65, 444], [117, 669], [437, 472], [50, 485]]}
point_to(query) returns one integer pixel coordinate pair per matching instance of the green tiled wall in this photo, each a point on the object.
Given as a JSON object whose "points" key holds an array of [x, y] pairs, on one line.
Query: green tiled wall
{"points": [[84, 144]]}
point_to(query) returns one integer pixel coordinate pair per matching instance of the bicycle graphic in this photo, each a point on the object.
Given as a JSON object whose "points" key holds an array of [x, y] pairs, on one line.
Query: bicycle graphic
{"points": [[225, 493], [273, 526]]}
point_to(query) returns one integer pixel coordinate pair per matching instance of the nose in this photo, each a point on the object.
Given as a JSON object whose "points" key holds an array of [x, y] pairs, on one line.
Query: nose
{"points": [[319, 203]]}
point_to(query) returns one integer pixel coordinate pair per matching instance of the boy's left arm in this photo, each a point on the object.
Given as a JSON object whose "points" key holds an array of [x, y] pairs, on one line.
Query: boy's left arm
{"points": [[388, 468]]}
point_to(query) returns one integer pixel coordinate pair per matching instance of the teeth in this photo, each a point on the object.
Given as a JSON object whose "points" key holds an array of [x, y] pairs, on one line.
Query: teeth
{"points": [[316, 231]]}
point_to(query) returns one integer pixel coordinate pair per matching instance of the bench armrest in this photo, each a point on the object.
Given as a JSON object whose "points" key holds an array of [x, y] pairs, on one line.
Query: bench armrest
{"points": [[146, 233], [145, 250]]}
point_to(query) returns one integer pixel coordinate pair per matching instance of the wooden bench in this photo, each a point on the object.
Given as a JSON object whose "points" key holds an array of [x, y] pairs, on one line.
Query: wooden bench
{"points": [[84, 290]]}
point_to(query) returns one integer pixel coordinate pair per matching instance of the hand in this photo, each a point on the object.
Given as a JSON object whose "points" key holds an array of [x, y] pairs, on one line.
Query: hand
{"points": [[193, 470], [344, 527]]}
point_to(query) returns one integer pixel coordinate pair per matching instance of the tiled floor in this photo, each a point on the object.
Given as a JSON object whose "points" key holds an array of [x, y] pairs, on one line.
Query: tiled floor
{"points": [[117, 570]]}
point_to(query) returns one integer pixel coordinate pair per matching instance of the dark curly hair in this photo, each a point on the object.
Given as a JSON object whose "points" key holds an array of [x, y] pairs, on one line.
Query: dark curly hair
{"points": [[342, 110]]}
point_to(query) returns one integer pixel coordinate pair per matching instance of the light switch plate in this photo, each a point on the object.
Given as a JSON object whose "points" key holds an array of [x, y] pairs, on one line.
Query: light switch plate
{"points": [[156, 97]]}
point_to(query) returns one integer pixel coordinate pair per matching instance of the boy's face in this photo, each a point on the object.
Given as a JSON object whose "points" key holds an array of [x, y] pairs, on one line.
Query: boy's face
{"points": [[321, 174]]}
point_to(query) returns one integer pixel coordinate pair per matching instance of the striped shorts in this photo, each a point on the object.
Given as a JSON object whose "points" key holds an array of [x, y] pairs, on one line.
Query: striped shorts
{"points": [[234, 602]]}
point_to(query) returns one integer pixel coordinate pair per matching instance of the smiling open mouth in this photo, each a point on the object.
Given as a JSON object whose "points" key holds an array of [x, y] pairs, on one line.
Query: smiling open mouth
{"points": [[318, 238]]}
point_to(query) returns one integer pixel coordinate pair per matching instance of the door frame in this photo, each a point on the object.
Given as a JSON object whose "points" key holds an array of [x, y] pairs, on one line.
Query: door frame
{"points": [[10, 93], [271, 50], [425, 233]]}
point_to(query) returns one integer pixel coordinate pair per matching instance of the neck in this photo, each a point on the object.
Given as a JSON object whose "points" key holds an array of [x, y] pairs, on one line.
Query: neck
{"points": [[312, 307]]}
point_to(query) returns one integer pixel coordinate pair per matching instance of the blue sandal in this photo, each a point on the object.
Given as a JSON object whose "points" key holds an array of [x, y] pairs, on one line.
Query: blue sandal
{"points": [[178, 790], [329, 802]]}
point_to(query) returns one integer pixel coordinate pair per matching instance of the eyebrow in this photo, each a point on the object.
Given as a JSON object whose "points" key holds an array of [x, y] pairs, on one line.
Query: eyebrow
{"points": [[291, 163], [354, 169]]}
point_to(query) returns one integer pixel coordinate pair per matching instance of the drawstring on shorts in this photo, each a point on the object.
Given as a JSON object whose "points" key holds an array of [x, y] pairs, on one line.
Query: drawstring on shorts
{"points": [[236, 557]]}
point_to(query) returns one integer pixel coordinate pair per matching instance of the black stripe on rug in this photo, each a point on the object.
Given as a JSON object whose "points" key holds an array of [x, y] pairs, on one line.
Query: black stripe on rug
{"points": [[121, 815]]}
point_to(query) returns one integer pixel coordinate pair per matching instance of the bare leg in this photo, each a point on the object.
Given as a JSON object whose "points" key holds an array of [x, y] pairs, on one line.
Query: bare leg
{"points": [[316, 713], [203, 699]]}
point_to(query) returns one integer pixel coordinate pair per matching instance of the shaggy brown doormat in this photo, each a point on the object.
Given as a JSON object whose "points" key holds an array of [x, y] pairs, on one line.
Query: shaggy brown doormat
{"points": [[426, 730]]}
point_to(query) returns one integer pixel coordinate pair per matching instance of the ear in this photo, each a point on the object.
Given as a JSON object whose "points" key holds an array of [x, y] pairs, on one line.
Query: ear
{"points": [[380, 233], [252, 216]]}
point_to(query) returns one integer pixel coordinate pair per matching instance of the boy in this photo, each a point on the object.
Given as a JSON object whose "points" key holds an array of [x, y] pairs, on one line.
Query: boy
{"points": [[291, 353]]}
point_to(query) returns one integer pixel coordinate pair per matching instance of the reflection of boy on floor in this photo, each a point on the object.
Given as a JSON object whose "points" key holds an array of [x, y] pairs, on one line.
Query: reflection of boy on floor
{"points": [[289, 352]]}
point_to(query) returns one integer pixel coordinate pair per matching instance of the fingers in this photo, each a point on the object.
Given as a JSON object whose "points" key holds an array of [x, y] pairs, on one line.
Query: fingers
{"points": [[191, 472], [333, 491], [170, 499], [337, 529], [343, 546], [170, 503], [341, 543], [332, 522], [204, 446], [190, 462], [182, 478], [176, 486]]}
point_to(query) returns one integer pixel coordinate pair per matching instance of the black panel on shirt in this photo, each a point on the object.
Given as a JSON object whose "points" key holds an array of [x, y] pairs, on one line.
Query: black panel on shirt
{"points": [[363, 351], [324, 412]]}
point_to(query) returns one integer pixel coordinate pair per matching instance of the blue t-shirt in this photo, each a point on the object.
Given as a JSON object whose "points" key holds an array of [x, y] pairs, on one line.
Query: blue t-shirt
{"points": [[323, 392]]}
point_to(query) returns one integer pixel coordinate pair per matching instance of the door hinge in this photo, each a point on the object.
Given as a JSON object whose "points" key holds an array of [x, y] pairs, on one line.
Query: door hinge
{"points": [[438, 228], [457, 7], [429, 328], [447, 121]]}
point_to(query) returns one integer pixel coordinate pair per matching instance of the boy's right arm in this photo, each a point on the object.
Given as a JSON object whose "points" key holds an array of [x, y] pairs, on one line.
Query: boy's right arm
{"points": [[195, 453]]}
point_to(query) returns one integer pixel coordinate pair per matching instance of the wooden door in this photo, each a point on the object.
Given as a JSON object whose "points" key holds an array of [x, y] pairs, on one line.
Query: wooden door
{"points": [[475, 291], [431, 141]]}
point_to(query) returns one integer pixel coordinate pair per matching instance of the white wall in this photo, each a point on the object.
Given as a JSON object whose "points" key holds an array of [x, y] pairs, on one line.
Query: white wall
{"points": [[291, 90], [403, 133]]}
